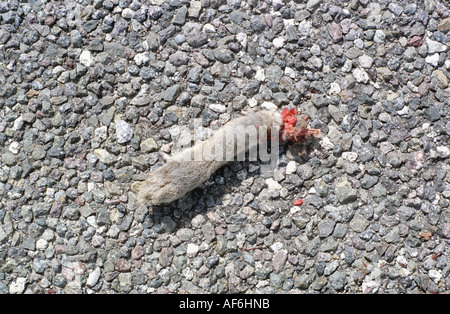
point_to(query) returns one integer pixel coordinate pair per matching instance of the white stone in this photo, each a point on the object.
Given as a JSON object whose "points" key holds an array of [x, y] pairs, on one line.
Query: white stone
{"points": [[192, 249], [127, 13], [358, 43], [101, 133], [384, 117], [260, 76], [360, 75], [91, 220], [315, 50], [105, 157], [313, 5], [435, 275], [141, 58], [447, 64], [219, 108], [334, 135], [149, 145], [272, 184], [188, 273], [291, 167], [435, 46], [277, 4], [278, 42], [93, 277], [185, 139], [350, 156], [433, 59], [252, 102], [347, 67], [276, 246], [365, 61], [18, 286], [209, 28], [14, 147], [294, 210], [304, 28], [386, 147], [326, 143], [86, 58], [404, 111], [403, 41], [443, 151], [289, 22], [198, 221], [41, 244], [57, 71], [194, 9], [73, 287], [290, 72], [124, 132], [335, 89], [379, 37], [267, 105], [3, 235], [401, 261], [316, 62], [242, 39], [370, 287], [18, 123]]}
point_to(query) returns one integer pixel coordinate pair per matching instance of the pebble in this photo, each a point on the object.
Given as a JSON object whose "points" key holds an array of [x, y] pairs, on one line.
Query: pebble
{"points": [[18, 286], [279, 260], [124, 132], [192, 250], [172, 93], [395, 8], [179, 58], [223, 55], [219, 108], [365, 61], [86, 58], [93, 277], [443, 151], [278, 42], [326, 227], [197, 39], [434, 46], [359, 223], [442, 78], [148, 145], [272, 184], [344, 191], [14, 147], [105, 157], [313, 5], [336, 32], [291, 167], [194, 9], [360, 75], [433, 60]]}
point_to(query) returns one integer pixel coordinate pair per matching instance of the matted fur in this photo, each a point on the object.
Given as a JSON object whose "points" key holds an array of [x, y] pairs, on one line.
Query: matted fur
{"points": [[181, 174]]}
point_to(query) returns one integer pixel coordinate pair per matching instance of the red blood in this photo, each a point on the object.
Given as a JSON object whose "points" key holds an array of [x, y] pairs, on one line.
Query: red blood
{"points": [[294, 129]]}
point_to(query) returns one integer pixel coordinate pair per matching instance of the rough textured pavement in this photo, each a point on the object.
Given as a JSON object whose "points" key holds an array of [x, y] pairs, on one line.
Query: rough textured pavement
{"points": [[92, 93]]}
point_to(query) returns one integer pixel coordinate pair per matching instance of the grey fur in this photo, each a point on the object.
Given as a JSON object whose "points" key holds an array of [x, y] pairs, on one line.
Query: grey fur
{"points": [[181, 174]]}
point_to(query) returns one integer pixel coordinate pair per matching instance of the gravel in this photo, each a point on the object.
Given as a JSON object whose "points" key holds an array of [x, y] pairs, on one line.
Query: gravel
{"points": [[94, 94]]}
